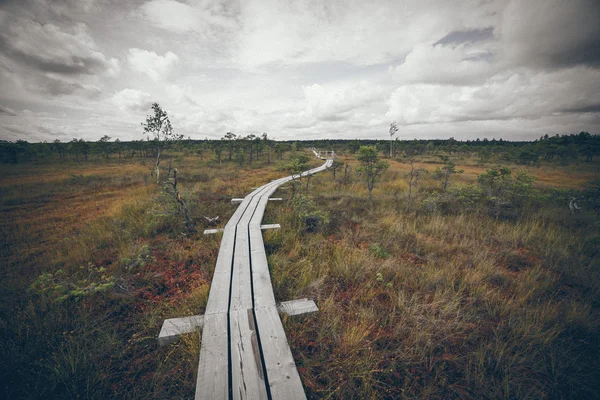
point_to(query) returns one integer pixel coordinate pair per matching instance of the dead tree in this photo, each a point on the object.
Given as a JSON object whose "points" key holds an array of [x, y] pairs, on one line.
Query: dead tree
{"points": [[182, 206], [413, 179]]}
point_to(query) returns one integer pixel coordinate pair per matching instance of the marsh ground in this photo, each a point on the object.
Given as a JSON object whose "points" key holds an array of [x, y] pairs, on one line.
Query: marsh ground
{"points": [[468, 293]]}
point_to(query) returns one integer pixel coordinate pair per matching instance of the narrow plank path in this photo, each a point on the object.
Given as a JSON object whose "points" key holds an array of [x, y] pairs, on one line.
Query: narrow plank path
{"points": [[244, 352]]}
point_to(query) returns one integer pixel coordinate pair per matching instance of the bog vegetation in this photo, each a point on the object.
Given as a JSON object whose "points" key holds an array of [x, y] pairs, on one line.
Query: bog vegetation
{"points": [[472, 273]]}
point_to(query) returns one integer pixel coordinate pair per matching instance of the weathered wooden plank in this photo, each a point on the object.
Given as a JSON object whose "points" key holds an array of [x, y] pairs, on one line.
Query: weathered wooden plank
{"points": [[213, 367], [236, 201], [297, 307], [270, 226], [174, 327], [263, 289], [248, 380], [284, 380], [218, 297], [241, 265], [212, 231], [241, 290]]}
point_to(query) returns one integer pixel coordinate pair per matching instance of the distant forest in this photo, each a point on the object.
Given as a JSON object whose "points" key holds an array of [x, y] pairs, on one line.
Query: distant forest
{"points": [[563, 148]]}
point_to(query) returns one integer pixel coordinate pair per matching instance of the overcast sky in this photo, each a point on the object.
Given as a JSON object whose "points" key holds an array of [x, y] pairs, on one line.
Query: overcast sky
{"points": [[512, 69]]}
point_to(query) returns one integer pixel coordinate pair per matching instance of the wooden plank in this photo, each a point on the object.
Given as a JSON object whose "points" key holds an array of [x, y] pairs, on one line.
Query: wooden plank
{"points": [[248, 380], [297, 307], [270, 226], [284, 380], [241, 290], [263, 289], [213, 367], [218, 297], [174, 327], [230, 332], [247, 377], [211, 231], [236, 201]]}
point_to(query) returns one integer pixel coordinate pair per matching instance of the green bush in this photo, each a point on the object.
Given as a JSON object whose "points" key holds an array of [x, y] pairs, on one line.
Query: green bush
{"points": [[378, 251], [311, 217], [59, 287]]}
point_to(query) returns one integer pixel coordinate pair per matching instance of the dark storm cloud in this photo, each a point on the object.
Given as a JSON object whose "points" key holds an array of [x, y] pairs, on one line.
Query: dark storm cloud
{"points": [[57, 87], [42, 51], [552, 33], [90, 64], [470, 36], [6, 111], [585, 53], [592, 108], [50, 48]]}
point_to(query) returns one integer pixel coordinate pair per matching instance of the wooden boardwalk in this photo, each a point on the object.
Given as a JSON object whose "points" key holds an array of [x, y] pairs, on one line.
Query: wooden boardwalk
{"points": [[244, 352]]}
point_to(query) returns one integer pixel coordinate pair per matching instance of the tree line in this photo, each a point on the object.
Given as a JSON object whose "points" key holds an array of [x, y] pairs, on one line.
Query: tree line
{"points": [[244, 149]]}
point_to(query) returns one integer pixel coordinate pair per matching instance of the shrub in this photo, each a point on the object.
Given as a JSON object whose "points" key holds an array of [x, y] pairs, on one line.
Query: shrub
{"points": [[312, 218], [378, 251], [59, 287]]}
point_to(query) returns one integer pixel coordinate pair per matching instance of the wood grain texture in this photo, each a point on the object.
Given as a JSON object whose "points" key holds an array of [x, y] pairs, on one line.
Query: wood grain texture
{"points": [[213, 367], [244, 352]]}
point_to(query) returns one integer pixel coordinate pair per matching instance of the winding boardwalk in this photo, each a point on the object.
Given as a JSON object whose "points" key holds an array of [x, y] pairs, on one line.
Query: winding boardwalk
{"points": [[244, 352]]}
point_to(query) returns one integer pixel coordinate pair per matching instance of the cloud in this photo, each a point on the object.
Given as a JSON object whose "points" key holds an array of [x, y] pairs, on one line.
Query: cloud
{"points": [[522, 95], [54, 86], [460, 65], [469, 36], [551, 33], [200, 17], [302, 69], [132, 100], [155, 66], [335, 102], [51, 58], [288, 33], [49, 48], [591, 108], [7, 111]]}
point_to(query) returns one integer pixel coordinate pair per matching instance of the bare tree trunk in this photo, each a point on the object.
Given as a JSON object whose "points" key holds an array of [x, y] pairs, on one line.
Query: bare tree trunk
{"points": [[182, 206], [410, 183], [156, 168], [347, 171]]}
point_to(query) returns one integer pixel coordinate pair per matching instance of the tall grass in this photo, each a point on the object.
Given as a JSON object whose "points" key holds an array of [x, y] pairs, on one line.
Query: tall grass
{"points": [[441, 302], [439, 305], [95, 257]]}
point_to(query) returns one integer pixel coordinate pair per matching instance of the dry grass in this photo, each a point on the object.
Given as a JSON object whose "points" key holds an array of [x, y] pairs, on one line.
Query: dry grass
{"points": [[88, 224], [413, 304], [460, 305]]}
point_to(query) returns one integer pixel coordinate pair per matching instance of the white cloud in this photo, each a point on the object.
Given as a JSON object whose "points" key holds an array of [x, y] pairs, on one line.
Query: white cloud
{"points": [[155, 66], [287, 33], [300, 69], [132, 100], [511, 95], [335, 102], [460, 65], [199, 16], [171, 15]]}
